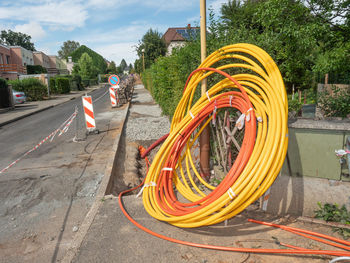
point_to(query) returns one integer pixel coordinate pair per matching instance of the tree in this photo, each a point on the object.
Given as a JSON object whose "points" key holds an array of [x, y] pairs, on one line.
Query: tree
{"points": [[138, 65], [98, 61], [86, 67], [285, 29], [123, 65], [112, 68], [12, 38], [68, 48], [153, 46]]}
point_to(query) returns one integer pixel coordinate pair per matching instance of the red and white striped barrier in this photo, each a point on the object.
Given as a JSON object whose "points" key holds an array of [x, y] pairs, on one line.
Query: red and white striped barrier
{"points": [[62, 129], [112, 94], [89, 113]]}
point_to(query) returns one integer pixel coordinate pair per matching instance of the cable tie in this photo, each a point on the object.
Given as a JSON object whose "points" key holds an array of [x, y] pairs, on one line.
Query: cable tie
{"points": [[214, 115], [240, 122], [143, 187], [341, 152], [231, 194], [191, 114], [231, 97], [248, 114], [167, 169], [208, 96]]}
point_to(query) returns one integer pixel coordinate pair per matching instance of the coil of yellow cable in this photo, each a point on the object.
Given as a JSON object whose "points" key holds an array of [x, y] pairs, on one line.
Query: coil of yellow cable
{"points": [[257, 92]]}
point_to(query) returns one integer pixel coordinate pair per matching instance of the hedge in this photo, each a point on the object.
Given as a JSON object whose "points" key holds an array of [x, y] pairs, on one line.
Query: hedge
{"points": [[76, 82], [52, 85], [32, 87], [62, 85], [89, 82], [35, 69]]}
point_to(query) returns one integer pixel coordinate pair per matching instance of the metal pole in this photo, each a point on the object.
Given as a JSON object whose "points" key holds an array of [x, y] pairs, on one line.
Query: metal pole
{"points": [[205, 135], [76, 124]]}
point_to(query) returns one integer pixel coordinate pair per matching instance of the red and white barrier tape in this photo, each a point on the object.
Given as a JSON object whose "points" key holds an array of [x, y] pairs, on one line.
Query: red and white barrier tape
{"points": [[61, 131]]}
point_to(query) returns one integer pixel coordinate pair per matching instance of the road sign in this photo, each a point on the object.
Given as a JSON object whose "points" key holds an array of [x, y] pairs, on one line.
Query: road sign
{"points": [[113, 80]]}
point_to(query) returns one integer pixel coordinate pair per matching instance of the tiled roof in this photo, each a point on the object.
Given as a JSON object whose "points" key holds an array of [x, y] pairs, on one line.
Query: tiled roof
{"points": [[179, 34]]}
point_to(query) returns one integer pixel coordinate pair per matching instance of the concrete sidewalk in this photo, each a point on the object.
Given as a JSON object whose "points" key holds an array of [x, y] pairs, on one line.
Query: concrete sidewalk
{"points": [[111, 237], [31, 107]]}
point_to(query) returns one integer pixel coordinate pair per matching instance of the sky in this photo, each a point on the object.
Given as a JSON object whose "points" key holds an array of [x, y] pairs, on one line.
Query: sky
{"points": [[112, 28]]}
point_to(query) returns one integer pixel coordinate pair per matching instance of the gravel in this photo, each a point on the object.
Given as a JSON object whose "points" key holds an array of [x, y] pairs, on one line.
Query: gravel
{"points": [[145, 121]]}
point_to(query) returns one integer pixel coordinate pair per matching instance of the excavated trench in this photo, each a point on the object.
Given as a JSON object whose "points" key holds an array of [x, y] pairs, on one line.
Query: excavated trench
{"points": [[143, 126]]}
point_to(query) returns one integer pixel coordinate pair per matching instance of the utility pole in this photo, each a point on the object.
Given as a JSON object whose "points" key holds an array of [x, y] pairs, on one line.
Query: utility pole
{"points": [[204, 139], [143, 59]]}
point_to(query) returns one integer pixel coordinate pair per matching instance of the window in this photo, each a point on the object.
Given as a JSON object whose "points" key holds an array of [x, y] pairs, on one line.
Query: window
{"points": [[1, 60], [8, 59]]}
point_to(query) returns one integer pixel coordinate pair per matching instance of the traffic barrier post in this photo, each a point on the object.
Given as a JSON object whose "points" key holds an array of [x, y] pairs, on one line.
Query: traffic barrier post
{"points": [[89, 115]]}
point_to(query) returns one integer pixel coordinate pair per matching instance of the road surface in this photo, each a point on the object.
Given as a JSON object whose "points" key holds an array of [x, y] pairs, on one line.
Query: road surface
{"points": [[46, 195]]}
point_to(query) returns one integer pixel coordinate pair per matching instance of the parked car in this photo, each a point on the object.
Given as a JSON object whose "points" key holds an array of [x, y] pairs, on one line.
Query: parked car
{"points": [[18, 97]]}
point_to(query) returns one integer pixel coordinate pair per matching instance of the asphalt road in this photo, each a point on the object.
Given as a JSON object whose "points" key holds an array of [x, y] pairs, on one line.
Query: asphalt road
{"points": [[46, 195], [18, 137]]}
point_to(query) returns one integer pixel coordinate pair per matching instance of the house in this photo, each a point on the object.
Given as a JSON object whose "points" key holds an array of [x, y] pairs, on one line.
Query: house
{"points": [[70, 64], [176, 37], [40, 58], [13, 61], [57, 65]]}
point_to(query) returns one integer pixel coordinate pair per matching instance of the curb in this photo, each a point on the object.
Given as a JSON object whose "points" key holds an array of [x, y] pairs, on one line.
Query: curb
{"points": [[43, 109], [90, 216]]}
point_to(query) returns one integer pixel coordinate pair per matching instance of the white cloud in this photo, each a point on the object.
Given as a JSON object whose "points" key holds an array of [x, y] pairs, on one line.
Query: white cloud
{"points": [[117, 52], [45, 49], [61, 14], [158, 5], [216, 5], [129, 33], [33, 29]]}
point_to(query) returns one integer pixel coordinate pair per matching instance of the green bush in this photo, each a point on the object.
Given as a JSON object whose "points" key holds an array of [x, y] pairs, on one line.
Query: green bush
{"points": [[335, 103], [32, 87], [334, 213], [294, 105], [76, 82], [52, 85], [35, 69], [104, 78], [85, 82], [62, 85], [93, 82], [89, 82], [166, 78]]}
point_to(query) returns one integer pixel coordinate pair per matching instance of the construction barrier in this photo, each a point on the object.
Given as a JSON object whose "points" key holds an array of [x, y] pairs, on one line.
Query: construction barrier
{"points": [[89, 114], [112, 94]]}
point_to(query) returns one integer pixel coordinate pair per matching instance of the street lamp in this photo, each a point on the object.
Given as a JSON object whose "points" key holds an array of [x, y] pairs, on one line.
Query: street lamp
{"points": [[143, 59]]}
